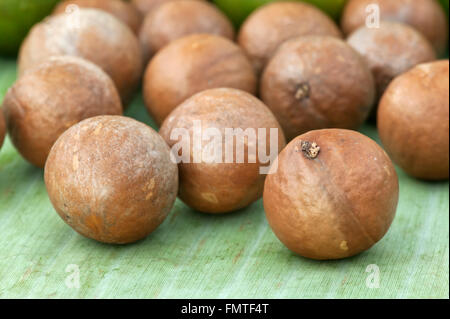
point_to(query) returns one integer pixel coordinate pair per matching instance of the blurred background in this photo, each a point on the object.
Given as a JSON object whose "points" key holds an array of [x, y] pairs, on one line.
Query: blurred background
{"points": [[18, 16]]}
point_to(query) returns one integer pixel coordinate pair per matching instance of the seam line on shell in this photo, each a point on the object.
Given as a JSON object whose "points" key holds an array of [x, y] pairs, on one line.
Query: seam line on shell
{"points": [[347, 204]]}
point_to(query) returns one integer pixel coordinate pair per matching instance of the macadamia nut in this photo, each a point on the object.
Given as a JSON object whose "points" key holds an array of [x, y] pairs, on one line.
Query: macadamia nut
{"points": [[334, 194], [91, 34], [52, 97], [111, 179]]}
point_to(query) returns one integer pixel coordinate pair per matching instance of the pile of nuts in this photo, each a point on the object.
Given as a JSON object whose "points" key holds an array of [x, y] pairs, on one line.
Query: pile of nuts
{"points": [[226, 110]]}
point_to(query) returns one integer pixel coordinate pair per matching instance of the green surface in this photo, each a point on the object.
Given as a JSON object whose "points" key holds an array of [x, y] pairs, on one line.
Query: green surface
{"points": [[194, 255]]}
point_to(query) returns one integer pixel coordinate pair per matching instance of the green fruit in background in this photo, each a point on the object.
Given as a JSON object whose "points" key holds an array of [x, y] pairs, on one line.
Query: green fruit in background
{"points": [[445, 4], [238, 10], [16, 19]]}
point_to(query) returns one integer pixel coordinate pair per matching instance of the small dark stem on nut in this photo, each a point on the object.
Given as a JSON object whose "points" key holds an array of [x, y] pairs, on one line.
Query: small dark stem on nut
{"points": [[303, 91], [309, 150]]}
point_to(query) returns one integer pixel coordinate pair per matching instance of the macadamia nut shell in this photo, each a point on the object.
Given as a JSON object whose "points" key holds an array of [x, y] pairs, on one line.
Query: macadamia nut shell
{"points": [[413, 121], [271, 25], [174, 20], [221, 187], [193, 64], [391, 50], [124, 11], [427, 16], [316, 82], [111, 179], [52, 97], [91, 34], [332, 195]]}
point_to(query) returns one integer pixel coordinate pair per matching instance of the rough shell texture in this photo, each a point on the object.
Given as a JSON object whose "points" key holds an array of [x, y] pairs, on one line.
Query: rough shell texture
{"points": [[146, 6], [2, 128], [413, 121], [271, 25], [122, 10], [90, 34], [222, 187], [426, 16], [190, 65], [317, 82], [52, 97], [174, 20], [111, 179], [337, 204], [391, 50]]}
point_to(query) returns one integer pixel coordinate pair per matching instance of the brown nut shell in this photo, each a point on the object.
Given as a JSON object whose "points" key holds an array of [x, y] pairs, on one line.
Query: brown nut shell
{"points": [[52, 97], [271, 25], [223, 187], [413, 121], [124, 11], [91, 34], [193, 64], [316, 82], [336, 203], [174, 20], [111, 179], [391, 50], [146, 6], [426, 16], [2, 128]]}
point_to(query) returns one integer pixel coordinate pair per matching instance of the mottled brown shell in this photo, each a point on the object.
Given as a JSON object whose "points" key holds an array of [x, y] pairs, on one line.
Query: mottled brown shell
{"points": [[190, 65], [271, 25], [391, 50], [122, 10], [426, 16], [221, 187], [91, 34], [111, 179], [52, 97], [173, 20], [316, 82], [146, 6], [334, 205], [413, 121], [2, 128]]}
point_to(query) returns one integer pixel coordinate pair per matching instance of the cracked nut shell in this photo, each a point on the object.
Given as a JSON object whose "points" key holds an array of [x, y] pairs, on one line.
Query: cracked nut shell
{"points": [[335, 204], [111, 179]]}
